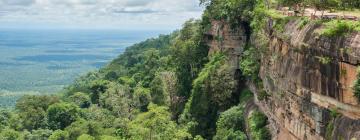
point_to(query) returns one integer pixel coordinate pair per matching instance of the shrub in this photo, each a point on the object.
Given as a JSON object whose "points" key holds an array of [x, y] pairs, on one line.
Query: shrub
{"points": [[9, 134], [59, 135], [230, 125], [337, 28], [257, 123], [85, 137], [324, 60], [61, 115], [250, 63], [303, 22]]}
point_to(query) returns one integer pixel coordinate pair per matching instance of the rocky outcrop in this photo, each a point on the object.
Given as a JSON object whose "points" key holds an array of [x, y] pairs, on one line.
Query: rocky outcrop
{"points": [[222, 38], [308, 78]]}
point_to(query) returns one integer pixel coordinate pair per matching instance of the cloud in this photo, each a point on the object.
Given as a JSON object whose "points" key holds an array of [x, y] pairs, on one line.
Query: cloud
{"points": [[17, 2], [106, 13]]}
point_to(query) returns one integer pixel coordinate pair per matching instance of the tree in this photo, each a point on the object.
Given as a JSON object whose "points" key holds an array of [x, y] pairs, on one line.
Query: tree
{"points": [[5, 116], [322, 5], [188, 56], [59, 135], [117, 99], [9, 134], [39, 134], [158, 94], [85, 137], [98, 87], [213, 92], [81, 99], [81, 127], [142, 98], [32, 110], [231, 124], [61, 115], [156, 124]]}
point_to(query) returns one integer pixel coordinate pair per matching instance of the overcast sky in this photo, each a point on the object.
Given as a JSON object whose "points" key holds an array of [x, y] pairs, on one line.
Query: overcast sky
{"points": [[121, 14]]}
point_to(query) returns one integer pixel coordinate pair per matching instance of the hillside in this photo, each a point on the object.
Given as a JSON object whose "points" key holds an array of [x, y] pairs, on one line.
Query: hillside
{"points": [[244, 71]]}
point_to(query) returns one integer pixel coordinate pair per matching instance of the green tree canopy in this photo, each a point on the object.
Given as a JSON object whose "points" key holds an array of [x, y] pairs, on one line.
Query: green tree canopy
{"points": [[61, 115]]}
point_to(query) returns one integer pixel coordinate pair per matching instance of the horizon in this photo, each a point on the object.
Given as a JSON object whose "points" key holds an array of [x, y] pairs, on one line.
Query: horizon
{"points": [[97, 14]]}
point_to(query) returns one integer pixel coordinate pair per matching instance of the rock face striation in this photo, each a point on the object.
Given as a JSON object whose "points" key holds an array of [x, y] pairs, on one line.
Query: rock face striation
{"points": [[308, 78]]}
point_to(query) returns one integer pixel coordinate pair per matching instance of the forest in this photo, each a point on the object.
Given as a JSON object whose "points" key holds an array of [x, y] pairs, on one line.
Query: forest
{"points": [[160, 89]]}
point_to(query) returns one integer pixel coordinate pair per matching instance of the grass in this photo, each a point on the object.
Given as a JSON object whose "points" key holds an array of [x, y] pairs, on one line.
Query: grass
{"points": [[303, 22], [338, 28]]}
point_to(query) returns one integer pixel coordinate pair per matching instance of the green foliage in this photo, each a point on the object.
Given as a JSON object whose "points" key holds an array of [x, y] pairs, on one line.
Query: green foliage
{"points": [[303, 22], [59, 135], [85, 137], [81, 127], [338, 28], [32, 110], [250, 62], [334, 113], [61, 115], [97, 87], [323, 4], [245, 96], [142, 97], [329, 130], [324, 60], [9, 134], [39, 134], [155, 124], [232, 11], [356, 86], [257, 123], [158, 93], [262, 95], [5, 116], [81, 99], [280, 23], [188, 56], [212, 91], [231, 124], [117, 99]]}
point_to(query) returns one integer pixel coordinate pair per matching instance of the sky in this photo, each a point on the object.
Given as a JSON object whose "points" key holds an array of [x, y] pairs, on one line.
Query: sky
{"points": [[98, 14]]}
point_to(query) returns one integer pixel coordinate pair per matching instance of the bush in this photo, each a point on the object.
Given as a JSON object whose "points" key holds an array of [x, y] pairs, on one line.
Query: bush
{"points": [[85, 137], [230, 125], [303, 22], [81, 99], [61, 115], [337, 28], [324, 60], [9, 134], [250, 63], [257, 123], [59, 135]]}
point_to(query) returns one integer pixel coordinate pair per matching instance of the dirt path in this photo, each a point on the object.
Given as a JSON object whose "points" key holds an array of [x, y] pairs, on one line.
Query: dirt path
{"points": [[250, 107], [309, 12]]}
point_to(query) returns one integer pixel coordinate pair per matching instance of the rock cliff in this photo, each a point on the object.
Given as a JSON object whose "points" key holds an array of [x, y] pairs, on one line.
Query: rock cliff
{"points": [[308, 79]]}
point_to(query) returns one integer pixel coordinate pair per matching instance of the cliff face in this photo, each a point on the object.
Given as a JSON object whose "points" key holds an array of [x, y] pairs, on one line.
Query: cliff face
{"points": [[308, 78]]}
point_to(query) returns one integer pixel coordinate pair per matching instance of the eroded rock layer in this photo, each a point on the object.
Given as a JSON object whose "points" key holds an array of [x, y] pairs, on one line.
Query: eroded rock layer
{"points": [[308, 78]]}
